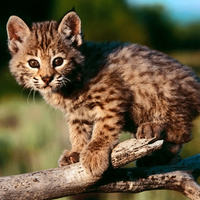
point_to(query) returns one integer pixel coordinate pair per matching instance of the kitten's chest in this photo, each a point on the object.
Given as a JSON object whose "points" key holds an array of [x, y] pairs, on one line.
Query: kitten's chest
{"points": [[79, 112], [81, 109]]}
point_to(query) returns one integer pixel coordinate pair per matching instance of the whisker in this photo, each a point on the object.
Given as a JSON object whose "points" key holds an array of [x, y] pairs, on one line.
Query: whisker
{"points": [[22, 91], [29, 94], [34, 96], [67, 79]]}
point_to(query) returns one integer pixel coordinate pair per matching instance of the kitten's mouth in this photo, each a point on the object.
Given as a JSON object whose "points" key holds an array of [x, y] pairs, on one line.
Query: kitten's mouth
{"points": [[49, 89], [45, 89], [47, 86]]}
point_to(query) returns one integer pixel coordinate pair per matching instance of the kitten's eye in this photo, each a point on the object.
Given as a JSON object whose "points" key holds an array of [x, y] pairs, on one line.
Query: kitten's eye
{"points": [[34, 63], [58, 62]]}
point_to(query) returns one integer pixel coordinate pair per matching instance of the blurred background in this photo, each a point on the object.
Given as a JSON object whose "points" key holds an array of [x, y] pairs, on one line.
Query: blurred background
{"points": [[32, 134]]}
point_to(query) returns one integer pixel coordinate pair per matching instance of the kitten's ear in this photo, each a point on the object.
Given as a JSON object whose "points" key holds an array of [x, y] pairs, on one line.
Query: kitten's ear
{"points": [[70, 28], [17, 31]]}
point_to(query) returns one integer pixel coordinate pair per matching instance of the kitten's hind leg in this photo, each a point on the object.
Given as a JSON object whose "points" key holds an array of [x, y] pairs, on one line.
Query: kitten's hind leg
{"points": [[167, 155], [150, 130]]}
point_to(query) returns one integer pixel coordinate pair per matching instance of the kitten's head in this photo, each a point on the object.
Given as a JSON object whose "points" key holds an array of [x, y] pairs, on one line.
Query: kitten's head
{"points": [[45, 57]]}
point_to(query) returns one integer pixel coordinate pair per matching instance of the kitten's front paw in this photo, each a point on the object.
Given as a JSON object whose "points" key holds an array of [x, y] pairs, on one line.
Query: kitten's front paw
{"points": [[150, 130], [95, 161], [68, 158]]}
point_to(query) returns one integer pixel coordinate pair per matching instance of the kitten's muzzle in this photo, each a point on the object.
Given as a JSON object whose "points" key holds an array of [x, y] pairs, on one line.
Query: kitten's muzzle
{"points": [[47, 79]]}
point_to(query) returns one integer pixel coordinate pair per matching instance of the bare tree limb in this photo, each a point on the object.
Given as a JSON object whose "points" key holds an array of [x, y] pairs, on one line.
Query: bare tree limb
{"points": [[180, 177], [133, 149], [72, 179]]}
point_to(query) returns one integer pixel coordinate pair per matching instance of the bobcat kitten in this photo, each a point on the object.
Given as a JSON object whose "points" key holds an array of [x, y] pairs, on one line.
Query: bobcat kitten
{"points": [[105, 88]]}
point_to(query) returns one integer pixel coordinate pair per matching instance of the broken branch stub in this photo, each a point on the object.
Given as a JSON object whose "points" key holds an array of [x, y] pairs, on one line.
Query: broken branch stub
{"points": [[133, 149]]}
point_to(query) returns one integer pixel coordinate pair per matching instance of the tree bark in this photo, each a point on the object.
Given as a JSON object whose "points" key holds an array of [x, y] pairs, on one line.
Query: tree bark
{"points": [[181, 177], [72, 179]]}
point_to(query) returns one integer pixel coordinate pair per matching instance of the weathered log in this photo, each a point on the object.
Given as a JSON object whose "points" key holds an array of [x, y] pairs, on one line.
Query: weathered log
{"points": [[181, 177], [72, 179]]}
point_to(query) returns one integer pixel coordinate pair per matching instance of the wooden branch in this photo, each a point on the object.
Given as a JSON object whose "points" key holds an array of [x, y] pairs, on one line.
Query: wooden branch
{"points": [[133, 149], [72, 179], [67, 180], [181, 177]]}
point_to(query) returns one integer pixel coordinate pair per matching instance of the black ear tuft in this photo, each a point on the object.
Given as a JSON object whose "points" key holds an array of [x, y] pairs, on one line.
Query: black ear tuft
{"points": [[73, 9]]}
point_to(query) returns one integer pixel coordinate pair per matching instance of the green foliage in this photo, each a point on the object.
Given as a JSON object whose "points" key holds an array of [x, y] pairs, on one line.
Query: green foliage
{"points": [[116, 20], [188, 36], [158, 27], [32, 136], [104, 20]]}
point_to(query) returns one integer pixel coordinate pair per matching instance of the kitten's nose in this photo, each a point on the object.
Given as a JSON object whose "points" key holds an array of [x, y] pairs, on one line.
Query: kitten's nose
{"points": [[47, 79]]}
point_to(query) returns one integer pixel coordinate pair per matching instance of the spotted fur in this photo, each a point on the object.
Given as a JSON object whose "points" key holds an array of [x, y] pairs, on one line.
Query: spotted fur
{"points": [[105, 88]]}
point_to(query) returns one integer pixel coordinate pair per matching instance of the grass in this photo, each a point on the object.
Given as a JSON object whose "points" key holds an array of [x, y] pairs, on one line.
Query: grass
{"points": [[32, 136]]}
